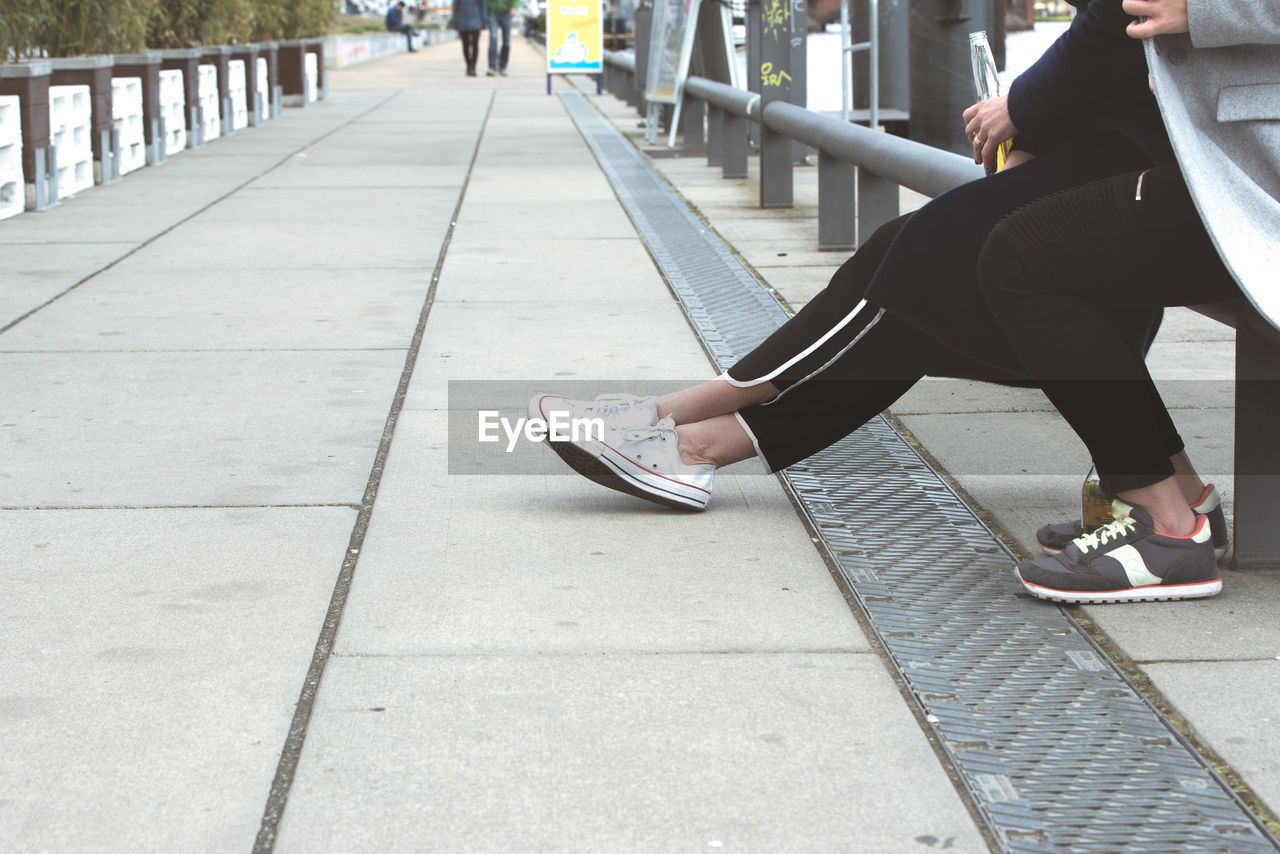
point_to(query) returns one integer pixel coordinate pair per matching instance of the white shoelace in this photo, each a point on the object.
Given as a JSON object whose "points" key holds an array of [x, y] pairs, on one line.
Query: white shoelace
{"points": [[658, 431], [615, 411], [1107, 533]]}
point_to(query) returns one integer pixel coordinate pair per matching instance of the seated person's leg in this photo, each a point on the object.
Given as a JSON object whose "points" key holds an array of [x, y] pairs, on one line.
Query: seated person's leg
{"points": [[1054, 275]]}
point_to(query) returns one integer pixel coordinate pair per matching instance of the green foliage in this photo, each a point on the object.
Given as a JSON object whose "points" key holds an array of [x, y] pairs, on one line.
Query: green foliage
{"points": [[30, 28]]}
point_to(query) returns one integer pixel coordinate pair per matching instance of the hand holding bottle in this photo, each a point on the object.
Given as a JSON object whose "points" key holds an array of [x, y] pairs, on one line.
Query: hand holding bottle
{"points": [[990, 129], [987, 122]]}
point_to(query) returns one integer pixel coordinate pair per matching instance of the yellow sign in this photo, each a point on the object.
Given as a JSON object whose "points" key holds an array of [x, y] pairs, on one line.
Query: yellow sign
{"points": [[575, 37]]}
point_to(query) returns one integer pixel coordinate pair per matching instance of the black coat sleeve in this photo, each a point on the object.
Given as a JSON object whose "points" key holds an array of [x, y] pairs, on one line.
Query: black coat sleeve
{"points": [[1082, 75]]}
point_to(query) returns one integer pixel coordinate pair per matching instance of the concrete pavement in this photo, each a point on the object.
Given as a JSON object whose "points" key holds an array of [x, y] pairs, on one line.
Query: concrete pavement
{"points": [[229, 387]]}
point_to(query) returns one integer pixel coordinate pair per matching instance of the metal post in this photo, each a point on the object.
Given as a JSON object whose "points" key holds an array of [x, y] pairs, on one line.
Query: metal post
{"points": [[888, 71], [941, 80], [777, 185], [735, 147], [715, 135], [753, 61], [1257, 460], [799, 90], [846, 62], [693, 114], [877, 202], [644, 25], [873, 8], [837, 183]]}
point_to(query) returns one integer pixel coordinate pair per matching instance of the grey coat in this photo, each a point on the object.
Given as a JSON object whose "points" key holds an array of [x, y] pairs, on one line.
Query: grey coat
{"points": [[469, 15], [1219, 93]]}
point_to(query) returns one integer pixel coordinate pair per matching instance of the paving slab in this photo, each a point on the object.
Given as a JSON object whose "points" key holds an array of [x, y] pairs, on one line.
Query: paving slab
{"points": [[523, 224], [401, 212], [484, 266], [193, 428], [623, 340], [619, 752], [300, 171], [36, 273], [152, 661], [942, 395], [797, 285], [231, 309], [1237, 624], [293, 244], [1233, 707], [580, 568], [1040, 443]]}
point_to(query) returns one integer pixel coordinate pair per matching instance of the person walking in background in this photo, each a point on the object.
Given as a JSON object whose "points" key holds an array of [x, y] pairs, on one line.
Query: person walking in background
{"points": [[396, 23], [468, 19], [500, 12]]}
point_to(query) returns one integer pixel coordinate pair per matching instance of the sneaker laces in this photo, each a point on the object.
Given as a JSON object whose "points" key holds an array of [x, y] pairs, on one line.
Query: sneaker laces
{"points": [[651, 431], [1107, 533], [611, 408]]}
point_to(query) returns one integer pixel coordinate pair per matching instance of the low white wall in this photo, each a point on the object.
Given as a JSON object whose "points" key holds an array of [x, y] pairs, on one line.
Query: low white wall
{"points": [[12, 195], [341, 51], [239, 95], [126, 118], [210, 109], [69, 131], [173, 109]]}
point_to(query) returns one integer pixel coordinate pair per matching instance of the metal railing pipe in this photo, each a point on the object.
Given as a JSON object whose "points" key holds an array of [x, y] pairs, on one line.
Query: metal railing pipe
{"points": [[922, 168], [739, 102]]}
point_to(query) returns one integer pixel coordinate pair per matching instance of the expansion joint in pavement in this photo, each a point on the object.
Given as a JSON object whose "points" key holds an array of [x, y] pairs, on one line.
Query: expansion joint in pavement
{"points": [[286, 768]]}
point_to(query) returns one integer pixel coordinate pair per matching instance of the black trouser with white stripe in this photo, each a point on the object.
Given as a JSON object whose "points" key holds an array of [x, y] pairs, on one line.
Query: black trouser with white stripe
{"points": [[839, 362], [1070, 281]]}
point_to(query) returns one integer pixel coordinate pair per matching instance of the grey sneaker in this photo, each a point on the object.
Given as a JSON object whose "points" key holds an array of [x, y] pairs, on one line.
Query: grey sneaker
{"points": [[644, 462], [1126, 561], [1056, 537]]}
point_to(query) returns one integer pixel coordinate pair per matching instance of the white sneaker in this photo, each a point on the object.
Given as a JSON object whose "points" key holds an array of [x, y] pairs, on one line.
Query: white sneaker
{"points": [[644, 462], [614, 411]]}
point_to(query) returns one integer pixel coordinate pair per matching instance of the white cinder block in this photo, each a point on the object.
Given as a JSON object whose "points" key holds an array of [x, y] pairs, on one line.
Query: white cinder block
{"points": [[311, 73], [126, 117], [239, 95], [70, 110], [12, 192], [211, 121], [173, 110], [263, 92]]}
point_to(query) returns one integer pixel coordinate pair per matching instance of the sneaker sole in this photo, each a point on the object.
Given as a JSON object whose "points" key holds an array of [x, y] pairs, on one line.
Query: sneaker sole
{"points": [[1156, 593], [1219, 552], [606, 472]]}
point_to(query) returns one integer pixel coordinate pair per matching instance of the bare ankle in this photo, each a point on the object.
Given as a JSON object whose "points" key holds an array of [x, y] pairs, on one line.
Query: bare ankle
{"points": [[694, 452]]}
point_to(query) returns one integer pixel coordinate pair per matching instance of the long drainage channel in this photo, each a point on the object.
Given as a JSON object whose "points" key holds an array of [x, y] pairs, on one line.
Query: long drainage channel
{"points": [[1055, 747]]}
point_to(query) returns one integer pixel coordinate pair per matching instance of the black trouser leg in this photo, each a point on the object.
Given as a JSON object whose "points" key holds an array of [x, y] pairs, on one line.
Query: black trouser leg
{"points": [[470, 48], [887, 357], [1058, 273], [839, 362]]}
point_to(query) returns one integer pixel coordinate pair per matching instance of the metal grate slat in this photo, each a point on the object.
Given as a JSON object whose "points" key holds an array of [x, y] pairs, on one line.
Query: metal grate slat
{"points": [[1055, 747]]}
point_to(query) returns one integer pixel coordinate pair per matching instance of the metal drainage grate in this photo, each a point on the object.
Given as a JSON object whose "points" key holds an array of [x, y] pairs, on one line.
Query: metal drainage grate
{"points": [[1055, 747]]}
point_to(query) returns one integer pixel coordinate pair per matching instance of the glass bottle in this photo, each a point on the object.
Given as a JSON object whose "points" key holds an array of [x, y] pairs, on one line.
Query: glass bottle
{"points": [[986, 82]]}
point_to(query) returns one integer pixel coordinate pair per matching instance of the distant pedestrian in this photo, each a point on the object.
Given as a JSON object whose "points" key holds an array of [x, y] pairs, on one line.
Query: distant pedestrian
{"points": [[396, 24], [500, 12], [469, 19]]}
